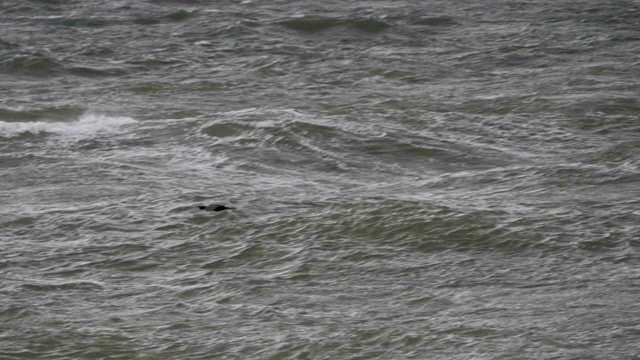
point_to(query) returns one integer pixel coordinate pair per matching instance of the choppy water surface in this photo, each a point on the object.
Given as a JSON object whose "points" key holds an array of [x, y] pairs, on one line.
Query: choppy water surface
{"points": [[413, 179]]}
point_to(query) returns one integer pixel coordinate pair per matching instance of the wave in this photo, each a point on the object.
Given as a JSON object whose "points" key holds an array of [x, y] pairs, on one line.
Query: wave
{"points": [[289, 140], [433, 21], [51, 113], [175, 16], [43, 64], [321, 23], [86, 125], [6, 45], [35, 64]]}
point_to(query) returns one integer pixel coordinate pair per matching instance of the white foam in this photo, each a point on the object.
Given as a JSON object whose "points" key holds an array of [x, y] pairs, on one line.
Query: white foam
{"points": [[86, 125]]}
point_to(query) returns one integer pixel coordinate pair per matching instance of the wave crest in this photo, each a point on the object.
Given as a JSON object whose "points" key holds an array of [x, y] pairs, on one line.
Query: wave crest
{"points": [[86, 125]]}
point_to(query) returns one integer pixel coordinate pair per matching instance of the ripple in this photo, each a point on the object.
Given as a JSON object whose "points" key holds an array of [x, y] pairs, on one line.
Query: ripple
{"points": [[64, 286]]}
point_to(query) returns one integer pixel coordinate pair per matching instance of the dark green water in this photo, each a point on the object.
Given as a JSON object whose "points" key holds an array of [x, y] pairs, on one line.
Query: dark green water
{"points": [[412, 180]]}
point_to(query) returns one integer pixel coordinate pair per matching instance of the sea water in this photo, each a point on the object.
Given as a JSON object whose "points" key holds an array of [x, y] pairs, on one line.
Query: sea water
{"points": [[412, 179]]}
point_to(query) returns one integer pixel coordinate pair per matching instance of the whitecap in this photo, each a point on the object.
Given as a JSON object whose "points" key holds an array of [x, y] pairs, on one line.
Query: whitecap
{"points": [[87, 125]]}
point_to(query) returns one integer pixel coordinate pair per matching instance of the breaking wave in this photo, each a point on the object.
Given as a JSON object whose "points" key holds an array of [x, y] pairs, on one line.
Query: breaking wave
{"points": [[85, 125]]}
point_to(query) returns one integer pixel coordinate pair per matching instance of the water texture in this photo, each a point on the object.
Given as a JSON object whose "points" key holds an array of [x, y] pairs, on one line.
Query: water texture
{"points": [[412, 179]]}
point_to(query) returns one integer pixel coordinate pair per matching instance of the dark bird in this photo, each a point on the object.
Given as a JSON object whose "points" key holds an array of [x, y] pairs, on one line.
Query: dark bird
{"points": [[214, 207]]}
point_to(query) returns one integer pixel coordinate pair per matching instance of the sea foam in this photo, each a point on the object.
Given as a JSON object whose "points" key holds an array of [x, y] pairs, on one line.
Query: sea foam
{"points": [[86, 125]]}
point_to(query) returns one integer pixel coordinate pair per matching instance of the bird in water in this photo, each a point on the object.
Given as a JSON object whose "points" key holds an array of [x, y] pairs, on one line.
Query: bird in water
{"points": [[214, 207]]}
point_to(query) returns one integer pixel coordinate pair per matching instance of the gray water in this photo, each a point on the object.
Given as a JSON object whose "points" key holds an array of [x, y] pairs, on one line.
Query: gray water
{"points": [[412, 179]]}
